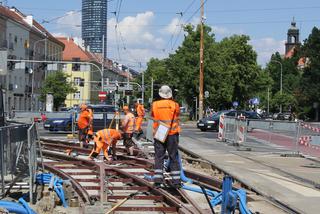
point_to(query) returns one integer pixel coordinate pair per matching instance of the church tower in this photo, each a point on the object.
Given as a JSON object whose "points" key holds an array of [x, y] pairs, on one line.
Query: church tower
{"points": [[293, 37]]}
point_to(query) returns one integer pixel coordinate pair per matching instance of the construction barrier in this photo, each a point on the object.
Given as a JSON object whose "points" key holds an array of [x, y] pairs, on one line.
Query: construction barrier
{"points": [[310, 136], [233, 129], [20, 150], [221, 127]]}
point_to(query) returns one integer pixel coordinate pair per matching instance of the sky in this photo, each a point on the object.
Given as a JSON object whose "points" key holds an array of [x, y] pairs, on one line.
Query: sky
{"points": [[153, 28]]}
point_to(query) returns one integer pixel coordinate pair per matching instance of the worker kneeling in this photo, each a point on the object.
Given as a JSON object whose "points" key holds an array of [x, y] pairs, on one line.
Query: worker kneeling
{"points": [[104, 139]]}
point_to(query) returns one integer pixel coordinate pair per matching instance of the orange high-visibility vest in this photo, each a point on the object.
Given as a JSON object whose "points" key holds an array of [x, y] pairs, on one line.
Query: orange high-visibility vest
{"points": [[84, 119], [108, 136], [90, 132], [128, 123], [166, 111], [140, 110]]}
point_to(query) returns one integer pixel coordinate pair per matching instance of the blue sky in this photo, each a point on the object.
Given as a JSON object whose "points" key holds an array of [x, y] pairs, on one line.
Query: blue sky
{"points": [[151, 28]]}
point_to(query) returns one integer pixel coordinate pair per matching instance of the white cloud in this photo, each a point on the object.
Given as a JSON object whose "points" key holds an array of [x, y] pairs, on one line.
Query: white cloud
{"points": [[265, 47], [70, 24], [173, 27]]}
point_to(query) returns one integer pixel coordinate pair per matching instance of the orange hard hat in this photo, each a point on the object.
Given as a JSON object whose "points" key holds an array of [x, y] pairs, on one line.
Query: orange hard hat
{"points": [[83, 106], [125, 108]]}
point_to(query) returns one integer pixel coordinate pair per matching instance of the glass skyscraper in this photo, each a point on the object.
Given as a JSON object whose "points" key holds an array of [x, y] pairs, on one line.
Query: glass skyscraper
{"points": [[94, 24]]}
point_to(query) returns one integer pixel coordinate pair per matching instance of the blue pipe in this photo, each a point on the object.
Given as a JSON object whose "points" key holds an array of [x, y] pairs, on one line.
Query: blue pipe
{"points": [[45, 178], [241, 193], [14, 207]]}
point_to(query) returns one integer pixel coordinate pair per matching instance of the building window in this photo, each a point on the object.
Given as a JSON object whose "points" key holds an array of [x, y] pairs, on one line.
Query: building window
{"points": [[76, 95], [75, 66], [77, 80]]}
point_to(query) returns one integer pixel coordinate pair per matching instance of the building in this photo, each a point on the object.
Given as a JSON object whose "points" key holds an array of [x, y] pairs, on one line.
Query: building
{"points": [[23, 38], [292, 39], [94, 25]]}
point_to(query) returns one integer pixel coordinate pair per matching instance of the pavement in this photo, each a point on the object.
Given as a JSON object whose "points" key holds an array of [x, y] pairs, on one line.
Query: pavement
{"points": [[291, 180]]}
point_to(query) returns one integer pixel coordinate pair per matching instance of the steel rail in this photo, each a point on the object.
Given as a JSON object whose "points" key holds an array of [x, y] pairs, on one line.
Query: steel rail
{"points": [[168, 198]]}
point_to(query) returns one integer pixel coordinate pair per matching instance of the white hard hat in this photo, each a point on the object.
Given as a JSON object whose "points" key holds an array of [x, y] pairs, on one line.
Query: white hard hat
{"points": [[165, 92]]}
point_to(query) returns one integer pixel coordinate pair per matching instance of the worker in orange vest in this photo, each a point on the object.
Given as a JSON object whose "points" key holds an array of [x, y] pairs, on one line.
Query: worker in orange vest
{"points": [[104, 139], [84, 122], [139, 117], [166, 111], [127, 125], [90, 131]]}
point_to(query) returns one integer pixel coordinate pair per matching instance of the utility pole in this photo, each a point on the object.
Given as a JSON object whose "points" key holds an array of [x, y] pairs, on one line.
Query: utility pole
{"points": [[201, 63], [102, 64], [142, 89]]}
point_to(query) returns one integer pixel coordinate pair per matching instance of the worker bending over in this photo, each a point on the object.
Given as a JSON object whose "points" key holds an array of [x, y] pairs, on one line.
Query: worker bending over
{"points": [[84, 121], [103, 139], [139, 118], [166, 111], [127, 125]]}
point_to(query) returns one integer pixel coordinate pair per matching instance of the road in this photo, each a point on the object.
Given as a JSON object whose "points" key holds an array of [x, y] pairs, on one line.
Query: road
{"points": [[291, 180]]}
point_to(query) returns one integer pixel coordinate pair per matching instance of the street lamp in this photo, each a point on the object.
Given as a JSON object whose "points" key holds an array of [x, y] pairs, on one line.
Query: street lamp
{"points": [[280, 80]]}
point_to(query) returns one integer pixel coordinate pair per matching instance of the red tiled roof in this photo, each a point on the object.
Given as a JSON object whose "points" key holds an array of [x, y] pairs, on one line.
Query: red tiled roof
{"points": [[290, 53], [72, 50], [18, 17]]}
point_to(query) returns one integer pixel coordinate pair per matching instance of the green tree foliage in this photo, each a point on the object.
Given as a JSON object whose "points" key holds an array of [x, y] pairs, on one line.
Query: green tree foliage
{"points": [[56, 84], [310, 87], [230, 69]]}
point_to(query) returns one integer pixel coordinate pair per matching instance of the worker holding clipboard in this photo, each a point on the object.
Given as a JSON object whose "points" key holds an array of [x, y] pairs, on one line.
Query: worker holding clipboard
{"points": [[165, 113]]}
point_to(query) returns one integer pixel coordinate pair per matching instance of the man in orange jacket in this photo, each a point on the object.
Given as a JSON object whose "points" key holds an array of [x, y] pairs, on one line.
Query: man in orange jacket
{"points": [[84, 122], [103, 139], [127, 125], [139, 117], [166, 111], [90, 131]]}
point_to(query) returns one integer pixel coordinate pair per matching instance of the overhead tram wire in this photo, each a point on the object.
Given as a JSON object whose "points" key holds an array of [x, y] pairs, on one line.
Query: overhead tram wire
{"points": [[188, 20], [179, 25]]}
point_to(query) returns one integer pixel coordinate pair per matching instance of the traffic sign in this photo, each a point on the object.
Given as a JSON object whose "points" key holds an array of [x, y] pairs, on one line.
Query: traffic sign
{"points": [[235, 104], [206, 94], [102, 95]]}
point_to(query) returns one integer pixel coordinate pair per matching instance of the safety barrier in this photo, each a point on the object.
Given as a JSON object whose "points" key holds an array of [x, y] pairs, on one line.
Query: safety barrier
{"points": [[18, 148], [310, 136], [233, 129]]}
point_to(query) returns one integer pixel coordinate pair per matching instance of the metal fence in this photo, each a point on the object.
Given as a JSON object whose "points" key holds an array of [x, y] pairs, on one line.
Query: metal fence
{"points": [[281, 133], [235, 130], [18, 148]]}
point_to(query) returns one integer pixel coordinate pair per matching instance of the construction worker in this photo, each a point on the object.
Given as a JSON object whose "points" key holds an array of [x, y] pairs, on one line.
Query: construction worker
{"points": [[139, 117], [103, 139], [84, 122], [127, 125], [90, 131], [166, 111]]}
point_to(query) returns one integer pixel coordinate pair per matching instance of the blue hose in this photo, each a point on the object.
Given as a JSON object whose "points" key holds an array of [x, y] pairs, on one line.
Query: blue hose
{"points": [[198, 190], [45, 178], [14, 207]]}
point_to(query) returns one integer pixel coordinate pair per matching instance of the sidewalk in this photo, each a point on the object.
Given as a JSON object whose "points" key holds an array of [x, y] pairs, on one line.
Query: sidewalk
{"points": [[265, 172]]}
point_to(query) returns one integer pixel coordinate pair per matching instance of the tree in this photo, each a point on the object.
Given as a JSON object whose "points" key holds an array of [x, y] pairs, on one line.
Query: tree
{"points": [[56, 84], [310, 87], [231, 72]]}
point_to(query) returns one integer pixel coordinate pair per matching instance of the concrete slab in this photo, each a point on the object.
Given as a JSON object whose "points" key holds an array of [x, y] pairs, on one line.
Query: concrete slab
{"points": [[269, 181]]}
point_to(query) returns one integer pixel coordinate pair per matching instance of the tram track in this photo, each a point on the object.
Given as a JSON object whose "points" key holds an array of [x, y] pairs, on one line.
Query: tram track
{"points": [[179, 200]]}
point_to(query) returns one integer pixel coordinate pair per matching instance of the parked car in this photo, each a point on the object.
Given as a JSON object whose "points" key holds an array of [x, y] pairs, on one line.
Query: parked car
{"points": [[212, 122], [102, 117], [58, 124], [284, 116]]}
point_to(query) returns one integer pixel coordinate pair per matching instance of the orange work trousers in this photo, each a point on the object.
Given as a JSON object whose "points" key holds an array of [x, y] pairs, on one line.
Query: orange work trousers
{"points": [[97, 148], [139, 121]]}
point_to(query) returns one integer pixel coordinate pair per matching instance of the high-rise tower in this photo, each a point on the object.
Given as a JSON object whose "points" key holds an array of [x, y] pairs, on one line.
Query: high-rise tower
{"points": [[94, 25]]}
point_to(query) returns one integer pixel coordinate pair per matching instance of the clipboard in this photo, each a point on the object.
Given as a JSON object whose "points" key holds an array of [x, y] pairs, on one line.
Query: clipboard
{"points": [[162, 132]]}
